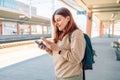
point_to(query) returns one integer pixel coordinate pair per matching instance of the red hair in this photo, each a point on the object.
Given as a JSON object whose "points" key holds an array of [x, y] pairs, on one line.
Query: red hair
{"points": [[71, 26]]}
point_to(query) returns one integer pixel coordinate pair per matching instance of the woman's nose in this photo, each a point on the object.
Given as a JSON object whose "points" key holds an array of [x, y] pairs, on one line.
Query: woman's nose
{"points": [[58, 23]]}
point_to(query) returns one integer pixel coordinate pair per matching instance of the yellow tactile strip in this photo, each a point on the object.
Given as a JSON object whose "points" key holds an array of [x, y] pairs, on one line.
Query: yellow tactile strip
{"points": [[13, 44]]}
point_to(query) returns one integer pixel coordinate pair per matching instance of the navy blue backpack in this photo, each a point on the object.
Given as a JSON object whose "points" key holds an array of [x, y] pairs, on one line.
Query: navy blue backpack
{"points": [[88, 59]]}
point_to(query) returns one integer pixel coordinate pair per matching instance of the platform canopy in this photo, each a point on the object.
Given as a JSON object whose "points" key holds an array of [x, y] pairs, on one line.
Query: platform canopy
{"points": [[14, 16], [104, 10]]}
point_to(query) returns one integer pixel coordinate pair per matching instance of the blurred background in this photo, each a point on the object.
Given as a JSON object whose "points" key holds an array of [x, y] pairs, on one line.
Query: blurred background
{"points": [[24, 21]]}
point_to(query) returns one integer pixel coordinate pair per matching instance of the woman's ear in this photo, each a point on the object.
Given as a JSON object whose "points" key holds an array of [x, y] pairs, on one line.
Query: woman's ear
{"points": [[68, 18]]}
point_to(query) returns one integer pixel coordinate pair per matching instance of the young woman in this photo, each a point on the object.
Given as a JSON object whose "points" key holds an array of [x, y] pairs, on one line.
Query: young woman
{"points": [[68, 46]]}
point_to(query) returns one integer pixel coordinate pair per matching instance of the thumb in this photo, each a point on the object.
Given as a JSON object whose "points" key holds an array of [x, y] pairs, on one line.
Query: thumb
{"points": [[47, 41]]}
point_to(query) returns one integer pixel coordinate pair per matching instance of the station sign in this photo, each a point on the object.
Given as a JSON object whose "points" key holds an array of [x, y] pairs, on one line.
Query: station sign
{"points": [[81, 12]]}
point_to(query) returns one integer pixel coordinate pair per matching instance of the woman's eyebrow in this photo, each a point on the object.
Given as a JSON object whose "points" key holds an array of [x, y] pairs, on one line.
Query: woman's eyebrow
{"points": [[57, 19]]}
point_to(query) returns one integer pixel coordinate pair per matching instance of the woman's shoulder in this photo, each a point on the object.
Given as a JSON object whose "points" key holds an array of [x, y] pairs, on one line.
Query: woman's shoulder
{"points": [[77, 32]]}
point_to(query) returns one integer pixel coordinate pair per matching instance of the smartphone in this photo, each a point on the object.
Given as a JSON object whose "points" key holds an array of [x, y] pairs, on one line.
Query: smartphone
{"points": [[40, 43]]}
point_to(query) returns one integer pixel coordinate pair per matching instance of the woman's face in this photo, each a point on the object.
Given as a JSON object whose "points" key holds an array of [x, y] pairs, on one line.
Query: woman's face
{"points": [[61, 22]]}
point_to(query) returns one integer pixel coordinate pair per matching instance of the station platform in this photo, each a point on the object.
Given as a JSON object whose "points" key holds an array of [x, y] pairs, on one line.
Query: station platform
{"points": [[40, 67]]}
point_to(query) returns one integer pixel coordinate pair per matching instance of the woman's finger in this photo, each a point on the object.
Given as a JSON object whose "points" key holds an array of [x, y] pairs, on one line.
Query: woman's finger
{"points": [[47, 41], [41, 47]]}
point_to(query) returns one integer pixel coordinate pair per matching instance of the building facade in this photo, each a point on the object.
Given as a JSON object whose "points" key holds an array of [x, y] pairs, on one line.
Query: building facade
{"points": [[20, 23]]}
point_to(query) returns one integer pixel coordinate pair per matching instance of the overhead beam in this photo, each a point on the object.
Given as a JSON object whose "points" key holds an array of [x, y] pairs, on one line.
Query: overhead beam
{"points": [[105, 11], [68, 4], [106, 7], [82, 4], [28, 21]]}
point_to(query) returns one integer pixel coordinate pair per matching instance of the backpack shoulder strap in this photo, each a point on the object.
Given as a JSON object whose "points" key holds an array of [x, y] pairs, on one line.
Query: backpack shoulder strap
{"points": [[70, 37], [87, 38], [83, 74]]}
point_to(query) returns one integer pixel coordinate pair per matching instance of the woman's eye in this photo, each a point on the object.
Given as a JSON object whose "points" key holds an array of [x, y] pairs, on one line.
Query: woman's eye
{"points": [[58, 20]]}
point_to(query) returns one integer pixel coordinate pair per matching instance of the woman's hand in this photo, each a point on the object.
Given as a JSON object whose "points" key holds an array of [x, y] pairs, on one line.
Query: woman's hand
{"points": [[51, 45], [42, 46]]}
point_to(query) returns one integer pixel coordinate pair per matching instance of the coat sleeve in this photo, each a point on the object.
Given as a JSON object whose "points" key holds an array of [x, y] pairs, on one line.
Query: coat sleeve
{"points": [[50, 52], [77, 48]]}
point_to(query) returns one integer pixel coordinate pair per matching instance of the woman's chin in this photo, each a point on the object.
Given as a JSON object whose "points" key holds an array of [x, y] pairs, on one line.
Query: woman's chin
{"points": [[60, 29]]}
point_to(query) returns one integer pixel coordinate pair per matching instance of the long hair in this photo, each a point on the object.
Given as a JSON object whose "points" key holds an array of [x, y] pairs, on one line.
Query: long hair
{"points": [[71, 26]]}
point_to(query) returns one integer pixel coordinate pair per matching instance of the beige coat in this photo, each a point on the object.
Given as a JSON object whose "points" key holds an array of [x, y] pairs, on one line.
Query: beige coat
{"points": [[67, 64]]}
